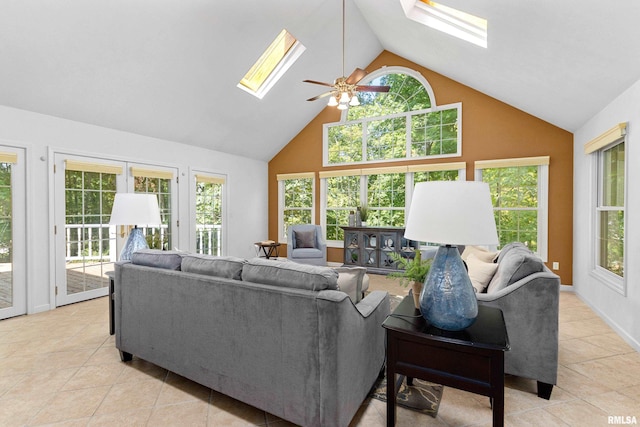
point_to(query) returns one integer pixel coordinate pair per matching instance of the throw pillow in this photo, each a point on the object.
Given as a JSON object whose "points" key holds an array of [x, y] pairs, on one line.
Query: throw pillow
{"points": [[350, 281], [220, 266], [515, 262], [305, 239], [170, 260], [481, 253], [290, 274], [480, 272]]}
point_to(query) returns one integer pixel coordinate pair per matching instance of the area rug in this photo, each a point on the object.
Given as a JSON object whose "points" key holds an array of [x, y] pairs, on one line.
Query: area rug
{"points": [[422, 396]]}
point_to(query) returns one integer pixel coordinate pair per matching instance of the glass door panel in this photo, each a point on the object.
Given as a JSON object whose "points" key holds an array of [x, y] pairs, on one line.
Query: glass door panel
{"points": [[88, 188], [12, 233]]}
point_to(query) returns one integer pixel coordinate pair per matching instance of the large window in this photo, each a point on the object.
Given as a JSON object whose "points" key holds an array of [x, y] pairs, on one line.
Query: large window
{"points": [[610, 209], [385, 192], [608, 202], [404, 123], [295, 201], [519, 192], [209, 214]]}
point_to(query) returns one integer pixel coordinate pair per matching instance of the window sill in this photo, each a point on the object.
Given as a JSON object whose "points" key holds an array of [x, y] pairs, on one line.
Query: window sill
{"points": [[612, 281]]}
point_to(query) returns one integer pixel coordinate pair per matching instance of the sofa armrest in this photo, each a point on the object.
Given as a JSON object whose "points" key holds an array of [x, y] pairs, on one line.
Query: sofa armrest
{"points": [[530, 309], [352, 349]]}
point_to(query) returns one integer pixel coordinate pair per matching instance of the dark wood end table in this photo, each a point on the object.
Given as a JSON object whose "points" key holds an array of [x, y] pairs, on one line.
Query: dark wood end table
{"points": [[471, 360], [269, 250], [112, 296]]}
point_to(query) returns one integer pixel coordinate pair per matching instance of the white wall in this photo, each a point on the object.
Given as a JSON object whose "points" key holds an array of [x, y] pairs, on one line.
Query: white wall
{"points": [[247, 194], [621, 312]]}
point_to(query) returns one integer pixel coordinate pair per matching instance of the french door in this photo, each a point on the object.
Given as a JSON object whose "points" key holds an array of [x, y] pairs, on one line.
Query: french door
{"points": [[85, 244], [13, 284]]}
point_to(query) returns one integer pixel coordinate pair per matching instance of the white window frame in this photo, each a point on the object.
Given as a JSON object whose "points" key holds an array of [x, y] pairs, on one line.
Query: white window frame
{"points": [[543, 193], [408, 141], [609, 279], [282, 238]]}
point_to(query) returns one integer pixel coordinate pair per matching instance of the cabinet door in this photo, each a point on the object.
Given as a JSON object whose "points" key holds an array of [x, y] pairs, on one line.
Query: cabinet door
{"points": [[351, 248], [370, 244], [389, 243]]}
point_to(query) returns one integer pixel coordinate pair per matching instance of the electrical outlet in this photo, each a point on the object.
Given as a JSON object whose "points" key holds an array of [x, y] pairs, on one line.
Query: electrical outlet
{"points": [[556, 266]]}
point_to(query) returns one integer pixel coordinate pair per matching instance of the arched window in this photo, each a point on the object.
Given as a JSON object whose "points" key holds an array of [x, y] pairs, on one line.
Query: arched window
{"points": [[404, 123]]}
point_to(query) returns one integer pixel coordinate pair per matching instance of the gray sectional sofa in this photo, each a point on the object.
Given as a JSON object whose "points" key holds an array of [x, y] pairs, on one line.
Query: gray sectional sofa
{"points": [[276, 335], [527, 292]]}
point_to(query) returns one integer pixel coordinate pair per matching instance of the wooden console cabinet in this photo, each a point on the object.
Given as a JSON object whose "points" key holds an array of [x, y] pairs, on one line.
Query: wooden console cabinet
{"points": [[370, 247]]}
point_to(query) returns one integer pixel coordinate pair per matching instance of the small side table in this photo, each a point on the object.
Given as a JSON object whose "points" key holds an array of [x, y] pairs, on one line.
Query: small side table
{"points": [[269, 250], [471, 360], [112, 303]]}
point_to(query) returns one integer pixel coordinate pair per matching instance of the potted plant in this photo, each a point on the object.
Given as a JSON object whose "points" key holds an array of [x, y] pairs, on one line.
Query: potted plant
{"points": [[412, 270], [364, 213]]}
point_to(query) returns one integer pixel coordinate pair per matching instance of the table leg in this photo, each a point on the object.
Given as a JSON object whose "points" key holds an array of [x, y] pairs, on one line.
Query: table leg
{"points": [[112, 308], [498, 380], [391, 384]]}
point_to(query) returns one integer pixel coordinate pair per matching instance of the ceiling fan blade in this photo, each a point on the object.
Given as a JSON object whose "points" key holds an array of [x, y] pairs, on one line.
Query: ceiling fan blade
{"points": [[320, 96], [357, 75], [318, 83], [372, 88]]}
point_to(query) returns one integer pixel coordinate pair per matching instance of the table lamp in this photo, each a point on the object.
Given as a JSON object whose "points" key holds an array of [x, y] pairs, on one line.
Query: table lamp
{"points": [[450, 213], [135, 209]]}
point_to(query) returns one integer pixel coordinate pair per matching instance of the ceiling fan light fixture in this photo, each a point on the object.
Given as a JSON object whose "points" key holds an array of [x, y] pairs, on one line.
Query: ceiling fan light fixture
{"points": [[342, 106], [333, 102], [354, 101], [345, 98]]}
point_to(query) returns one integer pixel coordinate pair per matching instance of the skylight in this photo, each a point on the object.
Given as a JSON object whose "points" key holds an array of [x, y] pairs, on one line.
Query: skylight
{"points": [[446, 19], [272, 64]]}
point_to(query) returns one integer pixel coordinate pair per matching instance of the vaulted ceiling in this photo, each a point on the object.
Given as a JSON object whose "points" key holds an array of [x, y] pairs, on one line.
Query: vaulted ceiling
{"points": [[169, 69]]}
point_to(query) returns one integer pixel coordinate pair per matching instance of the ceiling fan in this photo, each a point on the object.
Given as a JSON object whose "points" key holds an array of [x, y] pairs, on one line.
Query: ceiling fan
{"points": [[344, 89]]}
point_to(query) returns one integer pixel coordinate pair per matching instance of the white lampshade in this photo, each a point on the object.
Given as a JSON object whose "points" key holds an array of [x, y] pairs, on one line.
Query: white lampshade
{"points": [[453, 213], [135, 209]]}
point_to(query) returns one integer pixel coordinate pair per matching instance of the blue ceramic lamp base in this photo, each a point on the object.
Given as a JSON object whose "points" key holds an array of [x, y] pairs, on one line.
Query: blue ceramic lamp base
{"points": [[135, 242], [448, 300]]}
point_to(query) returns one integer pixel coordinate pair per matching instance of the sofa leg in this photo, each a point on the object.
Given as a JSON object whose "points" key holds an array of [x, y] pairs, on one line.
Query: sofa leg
{"points": [[126, 357], [544, 390]]}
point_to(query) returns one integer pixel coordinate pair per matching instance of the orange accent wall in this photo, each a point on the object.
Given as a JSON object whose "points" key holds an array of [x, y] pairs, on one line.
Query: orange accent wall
{"points": [[491, 129]]}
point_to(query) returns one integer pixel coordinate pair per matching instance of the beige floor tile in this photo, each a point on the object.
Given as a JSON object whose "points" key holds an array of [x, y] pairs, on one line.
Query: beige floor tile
{"points": [[533, 418], [41, 382], [71, 404], [191, 414], [580, 350], [18, 411], [177, 389], [225, 411], [132, 418], [141, 370], [615, 403], [94, 375], [460, 408], [579, 413], [610, 341], [129, 396]]}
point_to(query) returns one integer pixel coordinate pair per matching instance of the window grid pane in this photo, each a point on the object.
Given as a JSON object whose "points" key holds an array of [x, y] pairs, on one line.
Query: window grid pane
{"points": [[157, 237], [343, 195], [386, 194], [209, 218], [514, 193], [298, 202]]}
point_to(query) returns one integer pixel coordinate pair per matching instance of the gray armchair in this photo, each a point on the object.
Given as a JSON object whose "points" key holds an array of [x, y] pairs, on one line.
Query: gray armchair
{"points": [[306, 245]]}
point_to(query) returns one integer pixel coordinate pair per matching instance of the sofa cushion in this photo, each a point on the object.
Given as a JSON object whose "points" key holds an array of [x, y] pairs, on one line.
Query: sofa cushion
{"points": [[350, 281], [170, 260], [480, 272], [220, 266], [290, 274], [514, 263], [305, 239]]}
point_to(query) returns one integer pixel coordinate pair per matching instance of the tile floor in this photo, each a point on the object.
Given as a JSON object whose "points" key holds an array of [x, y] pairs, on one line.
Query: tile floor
{"points": [[61, 368]]}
